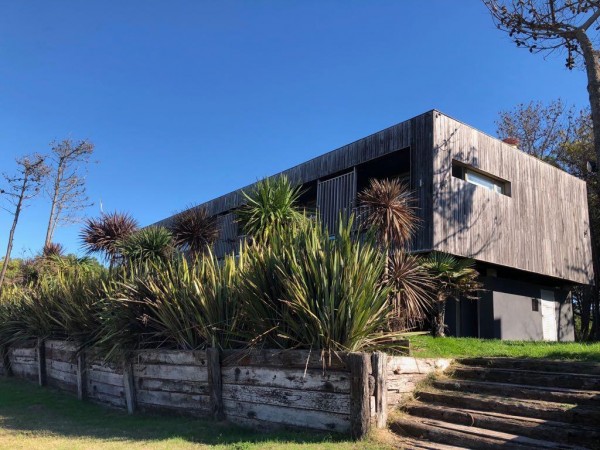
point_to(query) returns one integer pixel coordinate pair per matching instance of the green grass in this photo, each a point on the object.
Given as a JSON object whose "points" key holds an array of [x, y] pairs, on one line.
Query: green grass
{"points": [[428, 347], [40, 418]]}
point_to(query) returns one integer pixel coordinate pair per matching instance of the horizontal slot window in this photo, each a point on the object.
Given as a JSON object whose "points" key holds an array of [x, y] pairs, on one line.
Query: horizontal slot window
{"points": [[479, 178]]}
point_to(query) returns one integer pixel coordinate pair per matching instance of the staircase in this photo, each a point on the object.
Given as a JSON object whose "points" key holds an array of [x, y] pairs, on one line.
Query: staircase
{"points": [[491, 403]]}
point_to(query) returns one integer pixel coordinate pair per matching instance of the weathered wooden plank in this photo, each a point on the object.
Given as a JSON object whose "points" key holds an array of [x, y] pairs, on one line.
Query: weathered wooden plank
{"points": [[184, 387], [295, 399], [360, 409], [61, 365], [107, 399], [62, 385], [180, 357], [103, 366], [68, 377], [67, 356], [81, 376], [109, 389], [129, 387], [313, 379], [175, 400], [61, 345], [287, 416], [215, 382], [24, 359], [171, 372], [116, 379], [25, 352], [380, 408], [301, 359]]}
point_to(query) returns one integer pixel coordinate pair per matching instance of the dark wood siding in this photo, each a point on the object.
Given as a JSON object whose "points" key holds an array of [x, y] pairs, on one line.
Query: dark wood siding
{"points": [[415, 134], [542, 227]]}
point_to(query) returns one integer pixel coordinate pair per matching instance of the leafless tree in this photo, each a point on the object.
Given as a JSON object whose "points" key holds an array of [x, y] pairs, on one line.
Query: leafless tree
{"points": [[541, 130], [67, 183], [544, 26], [22, 187]]}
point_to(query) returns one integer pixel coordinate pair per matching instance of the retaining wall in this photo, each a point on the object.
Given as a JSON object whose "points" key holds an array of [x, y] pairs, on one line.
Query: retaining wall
{"points": [[261, 388]]}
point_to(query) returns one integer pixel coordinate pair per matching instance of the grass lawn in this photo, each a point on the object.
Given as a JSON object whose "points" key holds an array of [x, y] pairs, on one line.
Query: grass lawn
{"points": [[40, 418], [428, 347]]}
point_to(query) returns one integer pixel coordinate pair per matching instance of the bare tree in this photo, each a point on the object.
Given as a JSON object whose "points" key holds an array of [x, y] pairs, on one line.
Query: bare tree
{"points": [[544, 26], [67, 183], [542, 130], [26, 184]]}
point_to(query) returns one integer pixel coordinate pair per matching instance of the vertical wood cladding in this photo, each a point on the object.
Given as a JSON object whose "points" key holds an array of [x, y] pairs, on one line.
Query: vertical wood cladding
{"points": [[542, 227]]}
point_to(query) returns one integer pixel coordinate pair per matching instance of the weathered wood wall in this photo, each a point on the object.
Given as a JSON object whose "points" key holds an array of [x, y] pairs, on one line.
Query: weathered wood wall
{"points": [[404, 373], [263, 389], [416, 134], [543, 227], [61, 365], [172, 380], [23, 361]]}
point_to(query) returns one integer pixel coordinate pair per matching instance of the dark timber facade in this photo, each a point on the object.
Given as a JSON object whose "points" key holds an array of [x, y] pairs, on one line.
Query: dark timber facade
{"points": [[523, 221]]}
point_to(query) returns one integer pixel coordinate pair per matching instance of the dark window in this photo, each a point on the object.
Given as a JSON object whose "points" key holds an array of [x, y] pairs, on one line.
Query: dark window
{"points": [[535, 304]]}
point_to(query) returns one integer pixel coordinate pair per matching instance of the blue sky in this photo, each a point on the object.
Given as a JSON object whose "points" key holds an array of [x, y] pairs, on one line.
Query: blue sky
{"points": [[187, 100]]}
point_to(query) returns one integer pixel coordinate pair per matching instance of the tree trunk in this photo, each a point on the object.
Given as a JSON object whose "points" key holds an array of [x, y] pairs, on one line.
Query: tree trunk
{"points": [[438, 327], [592, 68], [53, 216], [12, 233]]}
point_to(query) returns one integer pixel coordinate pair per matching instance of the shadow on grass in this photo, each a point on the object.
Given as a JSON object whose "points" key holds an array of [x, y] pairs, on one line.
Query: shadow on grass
{"points": [[26, 407]]}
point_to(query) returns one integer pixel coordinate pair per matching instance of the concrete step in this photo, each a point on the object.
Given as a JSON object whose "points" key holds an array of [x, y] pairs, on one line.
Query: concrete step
{"points": [[550, 394], [527, 377], [532, 364], [469, 437], [524, 426], [558, 412]]}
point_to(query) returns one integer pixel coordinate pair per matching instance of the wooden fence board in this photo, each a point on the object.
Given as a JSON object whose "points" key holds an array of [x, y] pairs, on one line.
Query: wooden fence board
{"points": [[282, 415], [293, 399], [283, 358], [115, 379], [174, 400], [100, 397], [313, 379], [183, 387], [109, 389], [171, 372], [184, 357]]}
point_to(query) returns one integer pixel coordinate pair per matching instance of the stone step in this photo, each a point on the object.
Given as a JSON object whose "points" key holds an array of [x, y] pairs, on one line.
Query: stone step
{"points": [[524, 426], [470, 437], [558, 412], [528, 377], [550, 394], [532, 364]]}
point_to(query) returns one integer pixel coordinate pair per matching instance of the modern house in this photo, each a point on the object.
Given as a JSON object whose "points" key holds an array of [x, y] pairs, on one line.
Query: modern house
{"points": [[523, 221]]}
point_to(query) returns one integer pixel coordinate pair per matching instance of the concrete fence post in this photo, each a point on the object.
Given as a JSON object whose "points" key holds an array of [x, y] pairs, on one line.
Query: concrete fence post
{"points": [[360, 398]]}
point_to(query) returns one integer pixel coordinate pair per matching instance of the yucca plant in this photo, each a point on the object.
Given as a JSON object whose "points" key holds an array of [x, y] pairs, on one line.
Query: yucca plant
{"points": [[194, 230], [104, 234], [390, 212], [271, 205], [53, 249], [177, 304], [455, 278], [412, 287], [152, 244], [307, 290]]}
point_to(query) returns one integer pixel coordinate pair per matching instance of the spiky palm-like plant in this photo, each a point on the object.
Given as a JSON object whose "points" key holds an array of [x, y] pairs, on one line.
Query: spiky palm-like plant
{"points": [[271, 205], [390, 211], [413, 289], [455, 278], [102, 235], [53, 249], [194, 230], [152, 244]]}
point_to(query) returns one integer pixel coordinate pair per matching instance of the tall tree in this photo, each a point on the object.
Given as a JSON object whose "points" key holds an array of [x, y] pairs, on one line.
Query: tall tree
{"points": [[22, 187], [544, 26], [67, 183]]}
